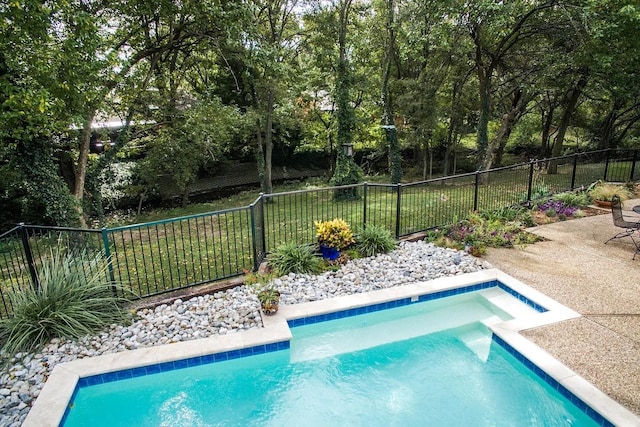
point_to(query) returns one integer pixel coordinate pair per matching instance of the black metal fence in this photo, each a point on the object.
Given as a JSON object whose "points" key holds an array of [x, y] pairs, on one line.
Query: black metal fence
{"points": [[162, 256]]}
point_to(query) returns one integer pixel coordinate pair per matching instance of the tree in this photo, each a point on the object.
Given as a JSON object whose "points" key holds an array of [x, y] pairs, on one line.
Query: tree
{"points": [[388, 123], [273, 43], [31, 115], [346, 172], [497, 30]]}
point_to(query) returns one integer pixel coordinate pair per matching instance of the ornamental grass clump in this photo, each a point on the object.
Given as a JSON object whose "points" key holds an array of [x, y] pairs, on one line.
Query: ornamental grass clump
{"points": [[67, 304], [294, 258], [335, 234], [604, 191], [374, 240]]}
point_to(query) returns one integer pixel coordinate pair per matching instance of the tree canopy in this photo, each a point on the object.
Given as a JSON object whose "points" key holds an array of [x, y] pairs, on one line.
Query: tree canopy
{"points": [[418, 88]]}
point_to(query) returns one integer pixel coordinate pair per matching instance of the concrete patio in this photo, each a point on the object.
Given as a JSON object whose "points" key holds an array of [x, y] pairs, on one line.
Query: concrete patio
{"points": [[602, 283]]}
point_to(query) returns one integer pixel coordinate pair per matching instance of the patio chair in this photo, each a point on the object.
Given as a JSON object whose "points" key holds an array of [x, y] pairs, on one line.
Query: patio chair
{"points": [[629, 227]]}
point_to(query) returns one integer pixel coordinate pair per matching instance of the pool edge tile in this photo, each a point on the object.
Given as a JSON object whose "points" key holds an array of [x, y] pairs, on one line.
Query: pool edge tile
{"points": [[51, 404]]}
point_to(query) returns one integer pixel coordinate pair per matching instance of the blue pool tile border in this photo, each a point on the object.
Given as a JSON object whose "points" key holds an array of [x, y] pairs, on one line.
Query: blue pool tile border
{"points": [[183, 363], [579, 403], [406, 301], [537, 307]]}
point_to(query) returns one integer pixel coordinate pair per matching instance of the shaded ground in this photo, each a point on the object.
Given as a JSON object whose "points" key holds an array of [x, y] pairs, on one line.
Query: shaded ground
{"points": [[601, 282]]}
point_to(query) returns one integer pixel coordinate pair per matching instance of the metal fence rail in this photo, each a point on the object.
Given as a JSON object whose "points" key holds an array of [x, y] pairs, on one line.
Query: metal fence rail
{"points": [[161, 256]]}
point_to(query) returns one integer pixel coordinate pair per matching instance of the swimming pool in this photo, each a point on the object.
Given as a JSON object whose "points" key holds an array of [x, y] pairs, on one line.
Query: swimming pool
{"points": [[498, 340]]}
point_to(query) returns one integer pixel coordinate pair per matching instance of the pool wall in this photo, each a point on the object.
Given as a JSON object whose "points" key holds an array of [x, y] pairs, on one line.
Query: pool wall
{"points": [[530, 309]]}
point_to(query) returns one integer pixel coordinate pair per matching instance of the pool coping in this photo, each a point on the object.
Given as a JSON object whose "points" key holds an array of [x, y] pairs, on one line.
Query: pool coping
{"points": [[50, 406]]}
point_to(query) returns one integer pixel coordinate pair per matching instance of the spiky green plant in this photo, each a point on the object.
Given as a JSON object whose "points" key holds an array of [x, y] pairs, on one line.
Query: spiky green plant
{"points": [[576, 200], [67, 304], [294, 258], [374, 240]]}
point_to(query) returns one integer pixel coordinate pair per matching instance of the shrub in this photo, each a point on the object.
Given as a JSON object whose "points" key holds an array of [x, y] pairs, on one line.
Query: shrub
{"points": [[294, 258], [67, 304], [374, 240], [335, 233]]}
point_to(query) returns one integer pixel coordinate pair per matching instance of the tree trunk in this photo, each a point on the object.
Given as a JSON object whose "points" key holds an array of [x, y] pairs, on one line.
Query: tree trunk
{"points": [[259, 153], [518, 108], [493, 154], [395, 160], [80, 171], [547, 121], [569, 109], [268, 143], [484, 72], [606, 130]]}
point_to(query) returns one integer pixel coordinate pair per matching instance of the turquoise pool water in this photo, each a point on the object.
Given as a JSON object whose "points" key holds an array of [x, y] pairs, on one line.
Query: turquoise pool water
{"points": [[430, 363]]}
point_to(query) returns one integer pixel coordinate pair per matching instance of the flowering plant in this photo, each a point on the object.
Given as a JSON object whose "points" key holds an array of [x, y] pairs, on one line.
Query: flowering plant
{"points": [[335, 233]]}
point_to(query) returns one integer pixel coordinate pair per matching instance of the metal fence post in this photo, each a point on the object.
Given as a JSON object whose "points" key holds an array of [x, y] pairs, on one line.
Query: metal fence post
{"points": [[262, 227], [633, 164], [573, 172], [398, 210], [24, 234], [606, 164], [530, 183], [476, 189], [364, 207], [256, 262], [107, 253]]}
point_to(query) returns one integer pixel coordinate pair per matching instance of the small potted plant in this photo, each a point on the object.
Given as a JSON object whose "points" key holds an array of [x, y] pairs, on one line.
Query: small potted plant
{"points": [[269, 298], [333, 236], [602, 193]]}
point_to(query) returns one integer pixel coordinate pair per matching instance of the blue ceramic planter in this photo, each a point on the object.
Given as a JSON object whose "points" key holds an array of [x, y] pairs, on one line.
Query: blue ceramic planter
{"points": [[329, 252]]}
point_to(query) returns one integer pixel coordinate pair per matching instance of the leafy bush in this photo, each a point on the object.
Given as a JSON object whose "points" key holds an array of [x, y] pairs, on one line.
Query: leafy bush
{"points": [[66, 305], [374, 240], [334, 234], [294, 258]]}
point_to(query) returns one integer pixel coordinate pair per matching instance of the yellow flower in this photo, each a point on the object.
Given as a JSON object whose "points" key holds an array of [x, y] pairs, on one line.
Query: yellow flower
{"points": [[335, 233]]}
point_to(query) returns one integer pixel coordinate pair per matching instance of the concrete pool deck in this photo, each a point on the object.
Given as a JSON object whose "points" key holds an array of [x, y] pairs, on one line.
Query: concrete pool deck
{"points": [[602, 283], [54, 398]]}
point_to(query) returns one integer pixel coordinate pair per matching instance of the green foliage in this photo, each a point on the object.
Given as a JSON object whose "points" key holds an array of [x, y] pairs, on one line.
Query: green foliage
{"points": [[347, 172], [334, 234], [374, 240], [67, 305], [255, 278], [605, 191], [573, 199], [294, 258], [46, 199], [501, 228]]}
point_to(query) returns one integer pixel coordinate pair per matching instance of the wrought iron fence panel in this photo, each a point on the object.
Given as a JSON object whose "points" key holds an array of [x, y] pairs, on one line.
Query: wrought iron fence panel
{"points": [[290, 216], [380, 206], [165, 255], [619, 165], [161, 256], [14, 271], [429, 204], [25, 249]]}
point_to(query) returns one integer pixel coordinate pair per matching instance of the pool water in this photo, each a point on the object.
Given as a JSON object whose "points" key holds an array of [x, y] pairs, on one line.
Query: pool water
{"points": [[425, 364]]}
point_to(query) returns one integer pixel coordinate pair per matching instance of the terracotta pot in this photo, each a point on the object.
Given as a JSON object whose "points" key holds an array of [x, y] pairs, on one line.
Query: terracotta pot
{"points": [[603, 203]]}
